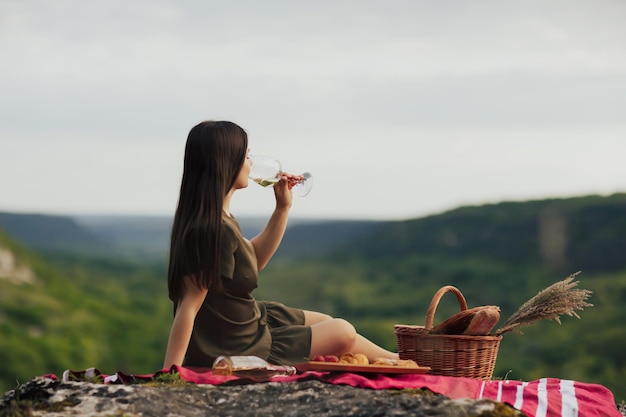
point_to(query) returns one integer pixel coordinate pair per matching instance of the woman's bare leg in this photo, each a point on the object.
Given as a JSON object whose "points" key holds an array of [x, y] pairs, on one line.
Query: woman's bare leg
{"points": [[370, 349], [330, 336], [314, 317]]}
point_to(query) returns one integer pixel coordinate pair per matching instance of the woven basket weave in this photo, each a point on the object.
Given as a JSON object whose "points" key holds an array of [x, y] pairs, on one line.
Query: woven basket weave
{"points": [[449, 355]]}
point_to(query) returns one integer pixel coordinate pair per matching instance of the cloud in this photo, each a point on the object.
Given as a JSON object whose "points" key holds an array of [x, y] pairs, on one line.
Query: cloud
{"points": [[375, 98]]}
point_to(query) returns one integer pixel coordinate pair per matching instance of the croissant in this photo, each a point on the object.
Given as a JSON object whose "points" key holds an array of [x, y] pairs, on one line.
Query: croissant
{"points": [[407, 363], [361, 359], [354, 359], [403, 363]]}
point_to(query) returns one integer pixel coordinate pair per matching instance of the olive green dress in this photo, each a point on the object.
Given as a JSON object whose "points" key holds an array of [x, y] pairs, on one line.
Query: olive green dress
{"points": [[234, 323]]}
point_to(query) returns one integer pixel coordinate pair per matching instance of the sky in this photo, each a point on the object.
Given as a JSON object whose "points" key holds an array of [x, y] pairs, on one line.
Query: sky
{"points": [[400, 109]]}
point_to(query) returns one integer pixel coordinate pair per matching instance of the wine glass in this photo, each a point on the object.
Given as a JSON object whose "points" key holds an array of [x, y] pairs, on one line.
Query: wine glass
{"points": [[267, 171]]}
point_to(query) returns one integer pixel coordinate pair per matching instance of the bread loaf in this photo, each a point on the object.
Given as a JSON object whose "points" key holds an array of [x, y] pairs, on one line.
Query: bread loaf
{"points": [[477, 321]]}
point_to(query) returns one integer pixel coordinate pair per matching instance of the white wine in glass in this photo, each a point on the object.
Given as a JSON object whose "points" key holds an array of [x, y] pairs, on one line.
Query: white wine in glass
{"points": [[267, 171]]}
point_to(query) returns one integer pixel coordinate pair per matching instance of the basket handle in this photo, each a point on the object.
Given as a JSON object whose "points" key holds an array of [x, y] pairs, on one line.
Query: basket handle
{"points": [[430, 313]]}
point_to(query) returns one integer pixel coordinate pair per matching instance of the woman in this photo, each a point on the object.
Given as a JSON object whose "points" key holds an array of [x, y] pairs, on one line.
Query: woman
{"points": [[213, 269]]}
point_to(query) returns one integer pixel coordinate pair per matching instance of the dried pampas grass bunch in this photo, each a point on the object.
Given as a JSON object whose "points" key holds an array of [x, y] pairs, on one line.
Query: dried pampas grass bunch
{"points": [[559, 298]]}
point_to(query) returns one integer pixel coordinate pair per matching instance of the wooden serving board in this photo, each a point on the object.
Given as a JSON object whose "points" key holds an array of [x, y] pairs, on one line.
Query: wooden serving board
{"points": [[370, 369]]}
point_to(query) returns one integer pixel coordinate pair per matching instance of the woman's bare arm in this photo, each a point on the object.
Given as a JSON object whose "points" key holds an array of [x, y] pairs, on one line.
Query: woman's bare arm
{"points": [[182, 325], [266, 242]]}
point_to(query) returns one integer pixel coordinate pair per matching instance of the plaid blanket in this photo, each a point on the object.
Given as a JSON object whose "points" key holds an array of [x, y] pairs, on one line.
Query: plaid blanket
{"points": [[546, 397]]}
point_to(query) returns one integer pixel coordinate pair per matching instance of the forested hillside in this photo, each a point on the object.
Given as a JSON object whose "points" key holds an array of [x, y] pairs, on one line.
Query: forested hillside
{"points": [[113, 313], [74, 312]]}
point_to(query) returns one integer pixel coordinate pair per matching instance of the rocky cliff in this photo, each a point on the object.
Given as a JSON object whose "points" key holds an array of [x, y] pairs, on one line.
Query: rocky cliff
{"points": [[49, 397]]}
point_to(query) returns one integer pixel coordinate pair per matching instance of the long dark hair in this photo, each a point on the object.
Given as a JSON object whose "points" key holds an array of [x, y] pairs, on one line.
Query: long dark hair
{"points": [[214, 154]]}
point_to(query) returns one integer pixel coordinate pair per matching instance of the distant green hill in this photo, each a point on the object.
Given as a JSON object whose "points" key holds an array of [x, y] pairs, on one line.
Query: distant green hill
{"points": [[557, 233], [109, 310], [51, 233], [148, 236], [141, 235]]}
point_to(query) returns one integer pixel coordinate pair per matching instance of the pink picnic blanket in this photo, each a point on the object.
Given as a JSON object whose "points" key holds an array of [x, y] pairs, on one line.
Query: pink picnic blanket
{"points": [[546, 397]]}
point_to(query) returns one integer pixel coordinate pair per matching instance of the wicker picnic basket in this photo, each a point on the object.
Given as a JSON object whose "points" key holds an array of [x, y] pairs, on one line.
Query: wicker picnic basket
{"points": [[449, 355]]}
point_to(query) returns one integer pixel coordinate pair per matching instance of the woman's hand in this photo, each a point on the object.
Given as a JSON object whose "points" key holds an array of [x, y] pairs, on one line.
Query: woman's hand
{"points": [[283, 189]]}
